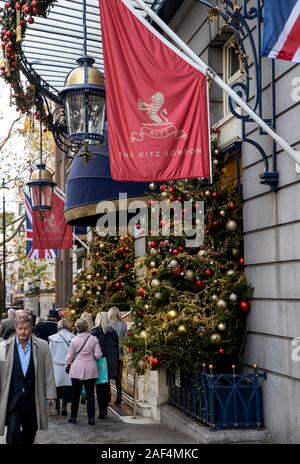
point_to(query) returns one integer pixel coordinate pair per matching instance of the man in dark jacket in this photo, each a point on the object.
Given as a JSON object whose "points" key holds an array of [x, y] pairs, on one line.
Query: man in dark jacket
{"points": [[48, 327]]}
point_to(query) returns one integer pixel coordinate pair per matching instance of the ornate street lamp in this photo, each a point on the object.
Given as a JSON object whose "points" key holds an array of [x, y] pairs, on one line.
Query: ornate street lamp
{"points": [[41, 184], [84, 100]]}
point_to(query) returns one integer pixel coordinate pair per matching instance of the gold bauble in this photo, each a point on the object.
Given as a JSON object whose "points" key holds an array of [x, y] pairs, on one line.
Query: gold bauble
{"points": [[101, 246], [155, 283], [153, 251], [201, 253], [207, 193], [222, 304], [215, 297], [181, 329], [97, 293], [89, 277], [172, 314], [140, 367], [89, 292], [83, 287], [97, 275], [146, 306], [152, 264], [77, 300], [231, 226], [222, 326], [215, 338], [143, 334], [73, 311], [235, 252], [189, 274], [231, 272], [222, 213]]}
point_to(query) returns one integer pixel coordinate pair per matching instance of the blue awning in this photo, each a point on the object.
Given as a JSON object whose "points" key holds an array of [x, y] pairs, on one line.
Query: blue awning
{"points": [[89, 183]]}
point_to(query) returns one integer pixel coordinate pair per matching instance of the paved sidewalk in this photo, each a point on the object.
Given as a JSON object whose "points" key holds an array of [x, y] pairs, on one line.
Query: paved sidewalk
{"points": [[111, 430]]}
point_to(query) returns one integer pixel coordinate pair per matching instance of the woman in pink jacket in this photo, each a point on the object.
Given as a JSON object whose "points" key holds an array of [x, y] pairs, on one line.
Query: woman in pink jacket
{"points": [[82, 355]]}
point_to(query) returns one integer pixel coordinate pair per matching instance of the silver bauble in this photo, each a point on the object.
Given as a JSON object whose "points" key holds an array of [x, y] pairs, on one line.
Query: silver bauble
{"points": [[233, 297], [222, 213], [207, 193], [235, 252], [152, 186], [215, 162], [173, 263], [164, 194], [157, 295], [152, 264], [215, 297], [231, 226], [105, 278], [98, 293]]}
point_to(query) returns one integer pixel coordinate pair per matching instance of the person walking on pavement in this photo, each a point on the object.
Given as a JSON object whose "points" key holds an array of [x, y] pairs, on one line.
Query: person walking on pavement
{"points": [[26, 382], [115, 319], [109, 343], [48, 327], [7, 322], [82, 354], [59, 344]]}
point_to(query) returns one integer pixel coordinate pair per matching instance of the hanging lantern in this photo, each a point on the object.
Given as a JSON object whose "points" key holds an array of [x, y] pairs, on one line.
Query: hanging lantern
{"points": [[41, 186], [85, 103]]}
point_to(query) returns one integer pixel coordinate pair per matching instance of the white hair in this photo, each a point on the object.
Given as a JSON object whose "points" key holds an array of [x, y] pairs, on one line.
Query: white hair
{"points": [[102, 322], [10, 313], [114, 315]]}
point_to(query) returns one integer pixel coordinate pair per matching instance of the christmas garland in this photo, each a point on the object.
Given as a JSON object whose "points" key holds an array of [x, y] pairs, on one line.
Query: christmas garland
{"points": [[13, 22]]}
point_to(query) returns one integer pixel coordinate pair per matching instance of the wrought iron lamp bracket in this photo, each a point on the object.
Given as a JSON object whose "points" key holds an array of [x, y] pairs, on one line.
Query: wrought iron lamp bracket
{"points": [[240, 18]]}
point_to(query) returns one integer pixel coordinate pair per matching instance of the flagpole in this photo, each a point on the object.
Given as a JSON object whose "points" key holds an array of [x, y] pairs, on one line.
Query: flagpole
{"points": [[62, 194], [214, 77]]}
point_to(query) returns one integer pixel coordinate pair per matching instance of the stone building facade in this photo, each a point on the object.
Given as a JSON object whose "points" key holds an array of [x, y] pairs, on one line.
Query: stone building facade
{"points": [[271, 219]]}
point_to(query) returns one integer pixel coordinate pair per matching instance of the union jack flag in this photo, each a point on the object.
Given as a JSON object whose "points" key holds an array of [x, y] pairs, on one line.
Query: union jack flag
{"points": [[282, 30], [32, 252]]}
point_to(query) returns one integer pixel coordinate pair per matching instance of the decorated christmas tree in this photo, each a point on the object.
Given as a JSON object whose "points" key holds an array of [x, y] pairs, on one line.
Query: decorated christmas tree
{"points": [[108, 279], [192, 303]]}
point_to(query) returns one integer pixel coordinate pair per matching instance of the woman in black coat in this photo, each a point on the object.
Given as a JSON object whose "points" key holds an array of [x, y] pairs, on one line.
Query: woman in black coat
{"points": [[109, 343]]}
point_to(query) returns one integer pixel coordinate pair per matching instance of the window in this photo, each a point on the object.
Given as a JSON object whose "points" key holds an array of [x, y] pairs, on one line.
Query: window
{"points": [[231, 68]]}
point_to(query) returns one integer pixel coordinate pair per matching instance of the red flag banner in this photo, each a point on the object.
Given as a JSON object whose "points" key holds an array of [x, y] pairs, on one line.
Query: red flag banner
{"points": [[157, 110], [52, 231]]}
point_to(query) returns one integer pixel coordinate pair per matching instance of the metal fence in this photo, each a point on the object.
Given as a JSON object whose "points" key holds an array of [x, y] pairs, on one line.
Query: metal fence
{"points": [[219, 400]]}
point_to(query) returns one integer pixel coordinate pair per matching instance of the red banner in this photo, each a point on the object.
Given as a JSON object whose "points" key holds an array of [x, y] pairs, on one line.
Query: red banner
{"points": [[156, 101], [52, 231]]}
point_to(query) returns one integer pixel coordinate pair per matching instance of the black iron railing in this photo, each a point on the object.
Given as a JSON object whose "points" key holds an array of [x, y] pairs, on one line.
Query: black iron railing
{"points": [[219, 400]]}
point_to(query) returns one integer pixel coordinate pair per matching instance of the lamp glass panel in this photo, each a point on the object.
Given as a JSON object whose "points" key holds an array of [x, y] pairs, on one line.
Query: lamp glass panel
{"points": [[74, 105], [96, 115], [46, 196]]}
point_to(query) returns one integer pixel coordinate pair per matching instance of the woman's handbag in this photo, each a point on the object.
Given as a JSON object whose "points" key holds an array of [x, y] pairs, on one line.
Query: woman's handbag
{"points": [[68, 367], [102, 371]]}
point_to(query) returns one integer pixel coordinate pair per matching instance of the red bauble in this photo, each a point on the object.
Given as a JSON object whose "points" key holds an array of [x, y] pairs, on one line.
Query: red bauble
{"points": [[181, 249], [127, 266], [216, 130], [35, 3], [209, 272], [163, 187], [121, 250], [118, 285], [231, 205], [215, 195], [153, 362], [26, 9], [129, 334], [132, 349], [152, 244], [244, 305], [221, 351], [241, 261], [141, 292], [198, 283], [171, 190], [139, 313], [175, 252]]}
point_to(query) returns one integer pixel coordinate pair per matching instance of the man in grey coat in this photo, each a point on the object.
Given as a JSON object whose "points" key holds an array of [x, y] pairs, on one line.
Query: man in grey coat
{"points": [[26, 381]]}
